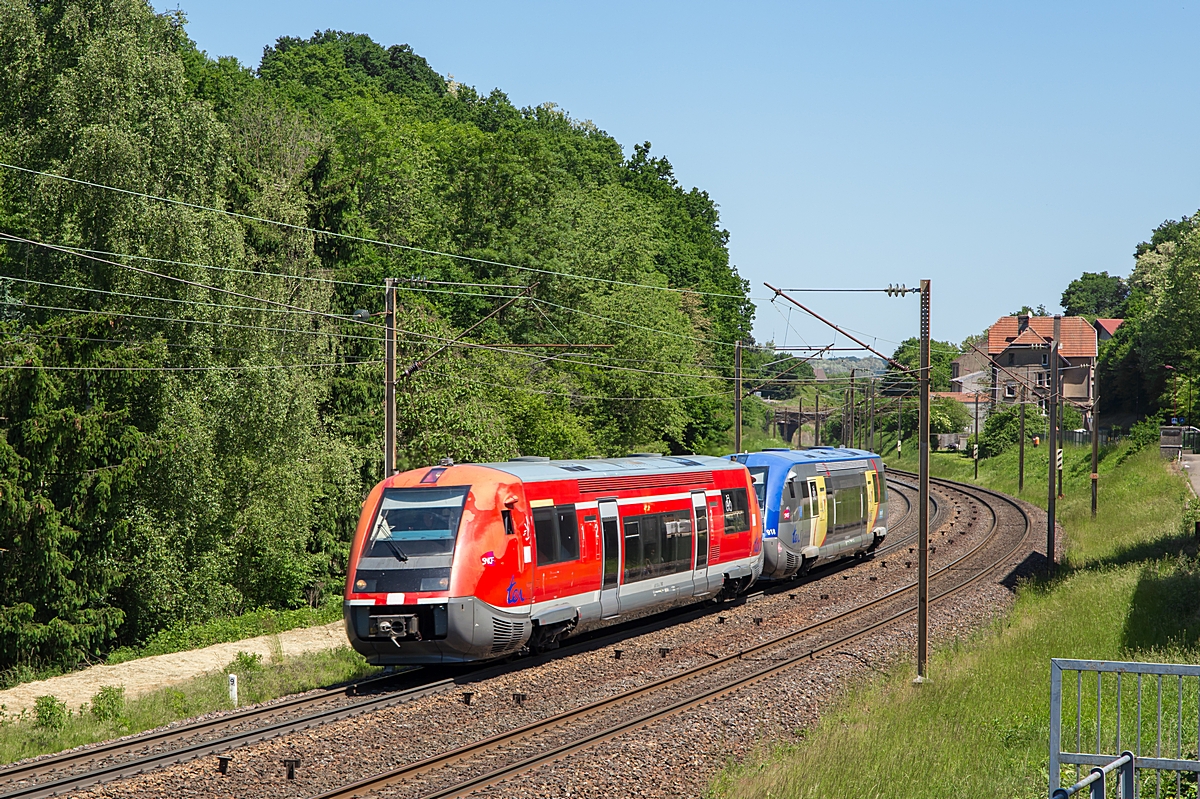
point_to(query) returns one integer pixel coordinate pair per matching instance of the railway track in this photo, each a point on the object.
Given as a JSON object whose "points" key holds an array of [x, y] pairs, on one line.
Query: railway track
{"points": [[61, 774], [558, 736]]}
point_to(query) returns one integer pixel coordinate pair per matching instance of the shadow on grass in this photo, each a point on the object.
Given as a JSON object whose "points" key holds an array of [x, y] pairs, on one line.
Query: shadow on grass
{"points": [[1030, 570], [1142, 552], [1164, 612]]}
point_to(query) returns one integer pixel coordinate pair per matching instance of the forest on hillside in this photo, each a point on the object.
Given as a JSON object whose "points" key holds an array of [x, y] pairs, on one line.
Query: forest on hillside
{"points": [[191, 406], [191, 411]]}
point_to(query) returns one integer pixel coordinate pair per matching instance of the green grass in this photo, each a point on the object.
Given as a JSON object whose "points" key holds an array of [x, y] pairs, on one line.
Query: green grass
{"points": [[184, 637], [236, 628], [22, 736], [1129, 589]]}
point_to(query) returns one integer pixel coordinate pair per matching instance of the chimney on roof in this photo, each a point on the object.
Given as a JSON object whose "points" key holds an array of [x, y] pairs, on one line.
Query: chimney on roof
{"points": [[1022, 323]]}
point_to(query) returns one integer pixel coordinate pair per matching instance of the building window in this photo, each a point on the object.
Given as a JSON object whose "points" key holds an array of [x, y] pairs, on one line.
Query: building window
{"points": [[1041, 378], [1045, 359], [1012, 358], [1010, 390]]}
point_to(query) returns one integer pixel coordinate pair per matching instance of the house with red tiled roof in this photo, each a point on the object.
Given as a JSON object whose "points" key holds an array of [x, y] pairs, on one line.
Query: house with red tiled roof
{"points": [[1107, 328], [1019, 348]]}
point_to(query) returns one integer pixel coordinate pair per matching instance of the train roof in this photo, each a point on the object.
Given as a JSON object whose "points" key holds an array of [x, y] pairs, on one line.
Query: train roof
{"points": [[531, 469], [806, 455]]}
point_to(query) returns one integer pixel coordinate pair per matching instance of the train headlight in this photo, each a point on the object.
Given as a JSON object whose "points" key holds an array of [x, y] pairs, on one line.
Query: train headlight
{"points": [[360, 585]]}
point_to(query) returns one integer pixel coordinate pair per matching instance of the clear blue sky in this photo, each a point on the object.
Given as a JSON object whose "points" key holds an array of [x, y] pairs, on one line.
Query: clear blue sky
{"points": [[998, 149]]}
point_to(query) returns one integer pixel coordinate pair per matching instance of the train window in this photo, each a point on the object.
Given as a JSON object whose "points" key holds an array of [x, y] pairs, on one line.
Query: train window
{"points": [[508, 523], [557, 534], [737, 510], [545, 524], [758, 475], [792, 488], [568, 533], [633, 550], [657, 544]]}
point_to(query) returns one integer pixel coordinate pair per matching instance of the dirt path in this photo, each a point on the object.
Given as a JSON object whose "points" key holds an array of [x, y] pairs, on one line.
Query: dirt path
{"points": [[148, 674]]}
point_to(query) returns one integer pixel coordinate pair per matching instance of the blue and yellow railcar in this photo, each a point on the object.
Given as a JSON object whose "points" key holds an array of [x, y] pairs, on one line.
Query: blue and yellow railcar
{"points": [[818, 504]]}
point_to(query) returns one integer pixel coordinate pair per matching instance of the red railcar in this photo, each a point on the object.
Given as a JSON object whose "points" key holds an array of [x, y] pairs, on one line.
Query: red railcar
{"points": [[475, 561]]}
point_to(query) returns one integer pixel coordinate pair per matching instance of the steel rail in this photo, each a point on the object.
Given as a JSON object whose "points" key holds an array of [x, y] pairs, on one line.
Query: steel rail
{"points": [[44, 765], [140, 765], [48, 765], [502, 773]]}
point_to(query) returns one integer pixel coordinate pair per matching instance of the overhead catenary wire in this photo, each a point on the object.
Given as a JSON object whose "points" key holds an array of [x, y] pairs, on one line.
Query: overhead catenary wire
{"points": [[128, 342], [288, 308], [501, 348], [153, 298], [307, 278], [84, 254], [189, 321], [571, 395], [362, 239], [192, 283], [243, 367]]}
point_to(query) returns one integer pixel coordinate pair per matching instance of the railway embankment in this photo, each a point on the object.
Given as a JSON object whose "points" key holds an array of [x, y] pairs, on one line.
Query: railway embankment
{"points": [[657, 718], [148, 674], [1126, 588]]}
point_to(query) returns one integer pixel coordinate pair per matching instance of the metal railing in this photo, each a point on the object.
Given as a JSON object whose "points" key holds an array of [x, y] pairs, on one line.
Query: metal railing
{"points": [[1084, 439], [1119, 723], [1096, 780]]}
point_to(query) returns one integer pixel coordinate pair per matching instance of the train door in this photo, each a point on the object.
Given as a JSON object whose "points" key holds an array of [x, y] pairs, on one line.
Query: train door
{"points": [[871, 504], [610, 555], [817, 510], [700, 525]]}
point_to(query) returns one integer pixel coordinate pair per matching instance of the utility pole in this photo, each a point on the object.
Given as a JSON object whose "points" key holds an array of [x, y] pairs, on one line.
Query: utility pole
{"points": [[899, 426], [1052, 435], [800, 425], [1095, 437], [871, 427], [850, 438], [1021, 448], [737, 396], [845, 420], [817, 423], [975, 454], [1062, 426], [389, 379], [923, 493]]}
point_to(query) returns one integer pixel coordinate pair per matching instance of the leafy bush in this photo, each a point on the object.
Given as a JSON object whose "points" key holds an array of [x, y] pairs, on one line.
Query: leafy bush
{"points": [[947, 416], [50, 713], [109, 703], [1144, 434], [1003, 429], [245, 663]]}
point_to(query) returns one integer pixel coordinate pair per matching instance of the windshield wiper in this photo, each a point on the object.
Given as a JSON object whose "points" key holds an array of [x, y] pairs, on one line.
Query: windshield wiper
{"points": [[399, 553]]}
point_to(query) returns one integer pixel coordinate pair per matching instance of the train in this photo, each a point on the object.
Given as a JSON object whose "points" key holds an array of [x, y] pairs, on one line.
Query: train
{"points": [[458, 563], [818, 504]]}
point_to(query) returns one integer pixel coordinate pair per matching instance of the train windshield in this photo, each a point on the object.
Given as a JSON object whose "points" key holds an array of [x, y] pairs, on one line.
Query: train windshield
{"points": [[759, 475], [416, 521]]}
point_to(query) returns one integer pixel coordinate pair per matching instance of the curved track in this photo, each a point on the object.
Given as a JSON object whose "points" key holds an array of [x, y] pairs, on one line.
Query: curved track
{"points": [[75, 770], [580, 728]]}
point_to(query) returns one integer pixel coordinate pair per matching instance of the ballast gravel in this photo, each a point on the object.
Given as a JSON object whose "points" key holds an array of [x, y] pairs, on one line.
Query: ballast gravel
{"points": [[675, 756]]}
